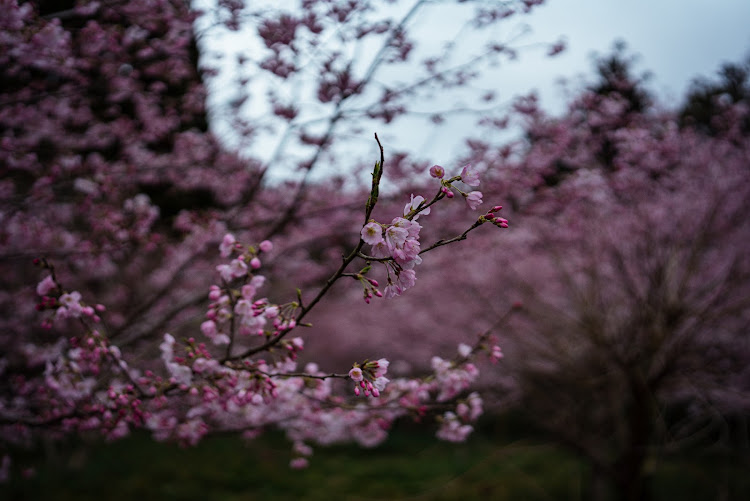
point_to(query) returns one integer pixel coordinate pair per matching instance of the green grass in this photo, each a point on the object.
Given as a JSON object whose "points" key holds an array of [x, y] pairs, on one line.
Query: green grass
{"points": [[411, 465]]}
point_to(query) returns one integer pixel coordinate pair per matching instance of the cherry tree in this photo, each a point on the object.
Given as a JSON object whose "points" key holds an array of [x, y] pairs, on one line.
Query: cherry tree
{"points": [[628, 262]]}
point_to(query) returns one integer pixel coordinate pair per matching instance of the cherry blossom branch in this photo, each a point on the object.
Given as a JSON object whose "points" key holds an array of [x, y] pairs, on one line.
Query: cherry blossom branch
{"points": [[305, 309]]}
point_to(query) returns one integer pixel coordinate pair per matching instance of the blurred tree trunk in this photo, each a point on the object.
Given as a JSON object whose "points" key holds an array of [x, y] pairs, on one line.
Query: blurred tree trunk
{"points": [[629, 476]]}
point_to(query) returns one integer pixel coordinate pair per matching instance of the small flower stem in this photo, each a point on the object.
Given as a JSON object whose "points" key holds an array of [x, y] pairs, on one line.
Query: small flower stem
{"points": [[458, 238], [305, 375]]}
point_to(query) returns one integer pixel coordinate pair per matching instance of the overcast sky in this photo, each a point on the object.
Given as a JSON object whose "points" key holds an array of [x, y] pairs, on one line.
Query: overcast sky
{"points": [[677, 40]]}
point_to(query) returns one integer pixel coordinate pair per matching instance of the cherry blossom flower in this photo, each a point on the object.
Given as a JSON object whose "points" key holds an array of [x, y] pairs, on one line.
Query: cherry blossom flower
{"points": [[496, 354], [227, 244], [413, 204], [302, 449], [299, 463], [452, 430], [265, 246], [271, 312], [356, 374], [372, 233], [412, 227], [46, 286], [380, 383], [474, 199], [380, 250], [464, 350], [437, 171], [406, 279], [395, 237], [382, 367], [237, 268], [469, 175], [70, 304], [408, 255]]}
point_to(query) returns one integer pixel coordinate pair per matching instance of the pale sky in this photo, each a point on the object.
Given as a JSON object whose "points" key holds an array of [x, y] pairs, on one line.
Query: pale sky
{"points": [[677, 40]]}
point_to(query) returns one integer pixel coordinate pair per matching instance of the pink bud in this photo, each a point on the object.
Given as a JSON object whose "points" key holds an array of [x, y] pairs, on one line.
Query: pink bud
{"points": [[255, 263], [265, 246]]}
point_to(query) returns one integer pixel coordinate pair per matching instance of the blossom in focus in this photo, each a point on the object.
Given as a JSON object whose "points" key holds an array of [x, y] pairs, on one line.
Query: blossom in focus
{"points": [[469, 175], [474, 199], [437, 171], [395, 237], [380, 250], [356, 374], [382, 367], [380, 383], [372, 233], [413, 204]]}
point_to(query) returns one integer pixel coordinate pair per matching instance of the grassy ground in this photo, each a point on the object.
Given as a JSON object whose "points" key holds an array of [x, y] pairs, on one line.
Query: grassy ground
{"points": [[411, 465]]}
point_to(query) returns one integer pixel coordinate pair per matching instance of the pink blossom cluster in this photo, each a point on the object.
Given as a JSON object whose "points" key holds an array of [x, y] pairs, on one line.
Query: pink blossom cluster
{"points": [[370, 377], [469, 176], [199, 391], [453, 378], [398, 241], [455, 426], [243, 311], [397, 244], [63, 305]]}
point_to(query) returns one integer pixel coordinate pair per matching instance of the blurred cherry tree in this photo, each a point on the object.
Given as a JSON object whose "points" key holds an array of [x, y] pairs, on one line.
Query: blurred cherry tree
{"points": [[619, 296]]}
